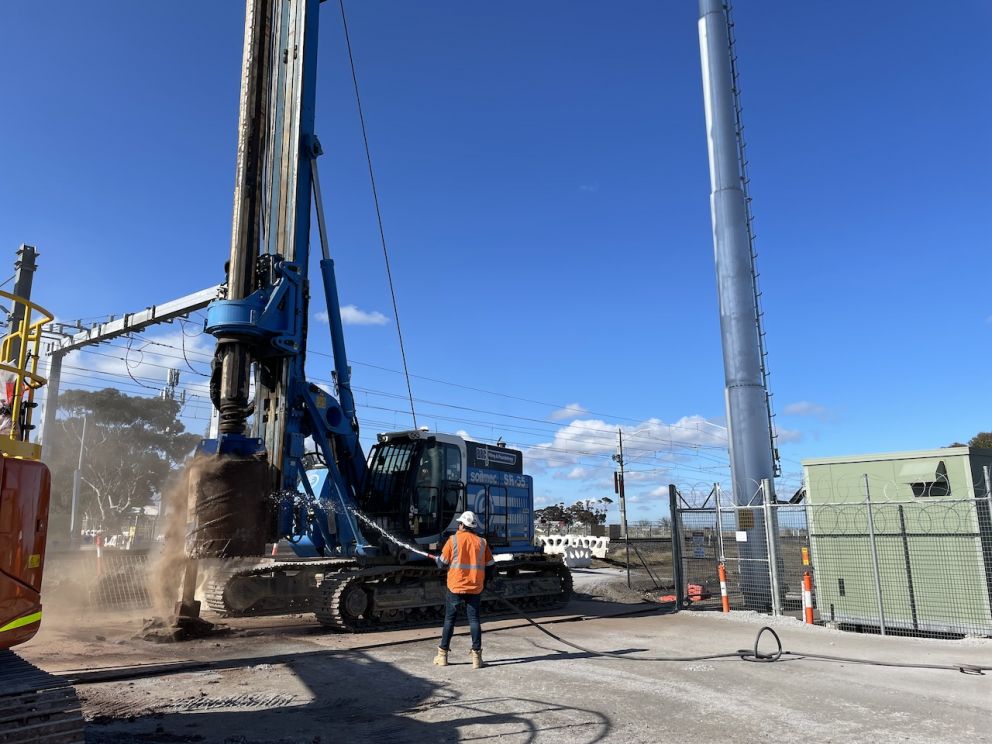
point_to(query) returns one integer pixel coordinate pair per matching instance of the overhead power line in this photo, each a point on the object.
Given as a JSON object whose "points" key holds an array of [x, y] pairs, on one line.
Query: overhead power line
{"points": [[556, 406]]}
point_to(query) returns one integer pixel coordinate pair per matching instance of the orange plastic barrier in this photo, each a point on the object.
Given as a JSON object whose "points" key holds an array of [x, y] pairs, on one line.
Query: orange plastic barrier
{"points": [[808, 597], [722, 571]]}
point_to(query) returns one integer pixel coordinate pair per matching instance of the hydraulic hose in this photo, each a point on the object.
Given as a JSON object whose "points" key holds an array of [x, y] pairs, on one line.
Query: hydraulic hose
{"points": [[744, 654], [749, 654]]}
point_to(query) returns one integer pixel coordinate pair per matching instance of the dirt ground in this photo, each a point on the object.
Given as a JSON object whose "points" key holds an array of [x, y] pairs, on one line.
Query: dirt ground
{"points": [[288, 680]]}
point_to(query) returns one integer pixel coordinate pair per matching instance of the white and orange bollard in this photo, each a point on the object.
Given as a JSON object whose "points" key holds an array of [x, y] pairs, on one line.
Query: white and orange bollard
{"points": [[808, 597], [724, 599]]}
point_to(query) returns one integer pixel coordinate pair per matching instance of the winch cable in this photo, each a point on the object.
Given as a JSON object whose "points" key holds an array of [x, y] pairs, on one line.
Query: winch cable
{"points": [[378, 209], [744, 654]]}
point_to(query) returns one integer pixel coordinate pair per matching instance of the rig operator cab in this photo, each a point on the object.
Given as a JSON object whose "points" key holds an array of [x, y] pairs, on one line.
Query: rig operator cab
{"points": [[418, 483]]}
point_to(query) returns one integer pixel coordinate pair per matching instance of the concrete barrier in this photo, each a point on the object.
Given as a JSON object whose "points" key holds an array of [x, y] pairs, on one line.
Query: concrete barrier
{"points": [[577, 557], [558, 544]]}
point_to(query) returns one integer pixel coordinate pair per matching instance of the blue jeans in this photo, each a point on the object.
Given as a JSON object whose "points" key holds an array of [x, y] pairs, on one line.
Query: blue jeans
{"points": [[451, 605]]}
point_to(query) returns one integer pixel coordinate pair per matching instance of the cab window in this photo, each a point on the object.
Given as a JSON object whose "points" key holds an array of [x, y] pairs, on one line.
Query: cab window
{"points": [[453, 475]]}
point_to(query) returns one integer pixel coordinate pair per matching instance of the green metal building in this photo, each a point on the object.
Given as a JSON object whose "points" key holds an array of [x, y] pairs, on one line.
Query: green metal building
{"points": [[921, 562]]}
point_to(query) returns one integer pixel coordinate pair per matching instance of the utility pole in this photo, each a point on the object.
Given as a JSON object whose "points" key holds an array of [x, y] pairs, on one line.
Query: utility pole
{"points": [[24, 269], [77, 476], [618, 487]]}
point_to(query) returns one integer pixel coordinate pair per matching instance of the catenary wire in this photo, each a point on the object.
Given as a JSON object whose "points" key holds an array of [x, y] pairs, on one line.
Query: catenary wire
{"points": [[610, 431], [572, 452], [634, 435]]}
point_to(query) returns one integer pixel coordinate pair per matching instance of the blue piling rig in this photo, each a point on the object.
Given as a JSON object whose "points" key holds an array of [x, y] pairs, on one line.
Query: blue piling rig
{"points": [[268, 324], [350, 579]]}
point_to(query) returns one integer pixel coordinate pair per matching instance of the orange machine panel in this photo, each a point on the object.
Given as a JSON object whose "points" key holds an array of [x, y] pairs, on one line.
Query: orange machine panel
{"points": [[25, 486]]}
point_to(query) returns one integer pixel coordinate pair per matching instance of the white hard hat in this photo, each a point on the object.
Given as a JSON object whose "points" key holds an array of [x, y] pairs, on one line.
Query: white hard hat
{"points": [[468, 519]]}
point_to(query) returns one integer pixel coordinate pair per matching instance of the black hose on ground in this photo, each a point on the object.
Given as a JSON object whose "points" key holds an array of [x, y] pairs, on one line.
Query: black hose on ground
{"points": [[744, 654], [747, 654]]}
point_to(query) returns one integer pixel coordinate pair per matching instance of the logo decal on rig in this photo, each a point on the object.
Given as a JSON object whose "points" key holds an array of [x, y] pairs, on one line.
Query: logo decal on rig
{"points": [[488, 456]]}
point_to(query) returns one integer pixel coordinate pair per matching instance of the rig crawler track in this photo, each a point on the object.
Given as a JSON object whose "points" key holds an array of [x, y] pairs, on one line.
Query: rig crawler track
{"points": [[36, 706], [272, 588], [388, 597], [348, 597]]}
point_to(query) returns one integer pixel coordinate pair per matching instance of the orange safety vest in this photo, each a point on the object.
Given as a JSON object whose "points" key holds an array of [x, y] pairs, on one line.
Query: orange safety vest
{"points": [[466, 555]]}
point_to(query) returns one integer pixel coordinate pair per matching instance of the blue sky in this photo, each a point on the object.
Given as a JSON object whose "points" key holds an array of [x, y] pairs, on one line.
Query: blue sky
{"points": [[542, 169]]}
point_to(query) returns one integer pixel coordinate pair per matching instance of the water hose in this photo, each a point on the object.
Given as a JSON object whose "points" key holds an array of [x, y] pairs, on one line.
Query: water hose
{"points": [[392, 538], [754, 654]]}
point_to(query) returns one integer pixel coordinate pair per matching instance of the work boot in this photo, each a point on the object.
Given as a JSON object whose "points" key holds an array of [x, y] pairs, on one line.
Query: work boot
{"points": [[477, 659], [442, 657]]}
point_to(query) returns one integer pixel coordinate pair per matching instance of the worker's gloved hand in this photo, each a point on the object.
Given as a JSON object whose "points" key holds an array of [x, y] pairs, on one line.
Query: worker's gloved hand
{"points": [[440, 563]]}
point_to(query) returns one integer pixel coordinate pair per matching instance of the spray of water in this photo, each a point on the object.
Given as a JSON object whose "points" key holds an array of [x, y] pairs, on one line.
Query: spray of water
{"points": [[392, 538]]}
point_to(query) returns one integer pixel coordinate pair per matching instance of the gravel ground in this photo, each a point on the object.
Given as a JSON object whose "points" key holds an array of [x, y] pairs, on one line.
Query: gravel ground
{"points": [[285, 680]]}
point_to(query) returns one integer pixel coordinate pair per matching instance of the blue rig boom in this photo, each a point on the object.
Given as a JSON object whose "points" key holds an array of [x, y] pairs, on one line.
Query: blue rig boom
{"points": [[255, 482]]}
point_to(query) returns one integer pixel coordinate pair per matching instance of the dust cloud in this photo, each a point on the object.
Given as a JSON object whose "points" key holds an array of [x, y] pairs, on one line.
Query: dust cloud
{"points": [[226, 499], [166, 570], [82, 590]]}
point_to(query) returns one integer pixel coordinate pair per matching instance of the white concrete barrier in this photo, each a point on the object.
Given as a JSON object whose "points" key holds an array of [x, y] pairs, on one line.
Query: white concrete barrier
{"points": [[578, 557], [553, 544], [557, 544], [597, 545]]}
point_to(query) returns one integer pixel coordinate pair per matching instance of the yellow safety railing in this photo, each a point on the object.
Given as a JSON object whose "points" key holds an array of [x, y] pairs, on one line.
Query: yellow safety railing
{"points": [[19, 354]]}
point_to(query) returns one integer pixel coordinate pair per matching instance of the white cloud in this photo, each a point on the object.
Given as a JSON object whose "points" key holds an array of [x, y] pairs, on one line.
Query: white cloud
{"points": [[351, 315], [589, 188], [805, 408], [597, 438], [641, 476], [543, 499], [571, 411], [788, 435], [576, 473]]}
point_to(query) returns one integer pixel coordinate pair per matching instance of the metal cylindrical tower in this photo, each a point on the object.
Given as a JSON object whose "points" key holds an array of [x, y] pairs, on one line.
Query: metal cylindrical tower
{"points": [[747, 400], [748, 419]]}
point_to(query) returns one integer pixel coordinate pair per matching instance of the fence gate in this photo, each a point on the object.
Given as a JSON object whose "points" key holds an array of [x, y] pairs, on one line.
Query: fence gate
{"points": [[696, 549], [764, 567]]}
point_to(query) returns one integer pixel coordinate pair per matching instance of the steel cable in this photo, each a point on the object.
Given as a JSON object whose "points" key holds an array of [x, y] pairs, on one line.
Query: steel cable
{"points": [[378, 211]]}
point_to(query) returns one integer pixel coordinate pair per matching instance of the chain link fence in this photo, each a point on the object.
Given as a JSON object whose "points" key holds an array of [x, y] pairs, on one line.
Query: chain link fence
{"points": [[921, 567], [112, 580]]}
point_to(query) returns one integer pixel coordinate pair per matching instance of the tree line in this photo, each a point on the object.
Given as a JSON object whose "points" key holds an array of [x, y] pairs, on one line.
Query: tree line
{"points": [[131, 446]]}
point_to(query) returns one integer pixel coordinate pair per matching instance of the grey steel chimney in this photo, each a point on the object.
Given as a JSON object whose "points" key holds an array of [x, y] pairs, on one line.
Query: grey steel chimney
{"points": [[748, 413]]}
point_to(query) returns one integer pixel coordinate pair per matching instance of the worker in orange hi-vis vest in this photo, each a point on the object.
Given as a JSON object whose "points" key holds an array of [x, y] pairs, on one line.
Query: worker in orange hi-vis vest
{"points": [[470, 564]]}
